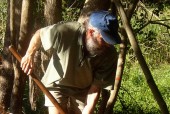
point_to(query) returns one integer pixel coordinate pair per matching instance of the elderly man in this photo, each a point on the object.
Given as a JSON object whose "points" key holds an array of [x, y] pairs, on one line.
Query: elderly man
{"points": [[83, 61]]}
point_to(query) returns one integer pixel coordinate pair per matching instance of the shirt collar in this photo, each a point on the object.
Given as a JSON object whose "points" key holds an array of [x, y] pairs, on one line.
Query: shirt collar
{"points": [[82, 35]]}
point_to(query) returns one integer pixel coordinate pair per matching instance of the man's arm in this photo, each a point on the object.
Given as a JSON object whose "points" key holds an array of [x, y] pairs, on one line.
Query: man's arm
{"points": [[92, 98], [27, 63]]}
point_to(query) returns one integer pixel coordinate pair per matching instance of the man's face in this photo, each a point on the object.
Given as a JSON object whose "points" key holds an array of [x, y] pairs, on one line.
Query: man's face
{"points": [[95, 44]]}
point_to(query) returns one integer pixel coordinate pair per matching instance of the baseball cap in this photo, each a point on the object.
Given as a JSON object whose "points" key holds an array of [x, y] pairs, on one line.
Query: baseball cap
{"points": [[107, 24]]}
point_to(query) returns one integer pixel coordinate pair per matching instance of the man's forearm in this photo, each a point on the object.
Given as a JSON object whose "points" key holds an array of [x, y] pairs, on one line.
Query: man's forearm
{"points": [[92, 98], [35, 43], [27, 61]]}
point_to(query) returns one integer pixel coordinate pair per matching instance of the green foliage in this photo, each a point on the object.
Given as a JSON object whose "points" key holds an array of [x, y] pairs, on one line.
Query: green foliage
{"points": [[71, 14], [39, 13], [135, 96], [71, 9], [151, 26], [3, 12]]}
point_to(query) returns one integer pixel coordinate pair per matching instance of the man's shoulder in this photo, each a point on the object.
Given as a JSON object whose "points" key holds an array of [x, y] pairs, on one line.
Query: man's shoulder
{"points": [[64, 26], [69, 24]]}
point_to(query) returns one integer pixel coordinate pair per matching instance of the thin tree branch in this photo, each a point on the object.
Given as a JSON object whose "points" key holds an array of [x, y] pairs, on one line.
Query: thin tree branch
{"points": [[152, 22], [73, 3], [147, 10], [121, 62], [142, 62], [155, 22]]}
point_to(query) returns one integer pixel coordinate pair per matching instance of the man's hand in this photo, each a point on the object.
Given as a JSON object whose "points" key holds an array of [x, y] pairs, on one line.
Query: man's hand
{"points": [[27, 64]]}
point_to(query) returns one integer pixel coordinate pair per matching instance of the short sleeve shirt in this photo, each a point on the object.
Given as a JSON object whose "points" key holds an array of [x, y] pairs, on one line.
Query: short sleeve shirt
{"points": [[66, 66]]}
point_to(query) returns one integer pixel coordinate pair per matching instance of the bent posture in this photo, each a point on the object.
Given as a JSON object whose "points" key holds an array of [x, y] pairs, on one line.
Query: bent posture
{"points": [[83, 61]]}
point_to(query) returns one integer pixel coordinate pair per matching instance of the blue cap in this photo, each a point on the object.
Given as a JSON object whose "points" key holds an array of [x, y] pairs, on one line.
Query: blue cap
{"points": [[107, 24]]}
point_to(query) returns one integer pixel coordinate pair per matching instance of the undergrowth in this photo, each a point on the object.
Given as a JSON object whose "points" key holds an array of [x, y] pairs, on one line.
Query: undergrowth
{"points": [[135, 96]]}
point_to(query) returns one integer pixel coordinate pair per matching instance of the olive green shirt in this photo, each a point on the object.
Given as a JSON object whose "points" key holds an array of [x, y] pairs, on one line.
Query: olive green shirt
{"points": [[68, 65]]}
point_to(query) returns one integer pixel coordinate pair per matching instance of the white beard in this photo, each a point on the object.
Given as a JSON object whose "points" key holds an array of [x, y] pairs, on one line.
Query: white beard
{"points": [[93, 47]]}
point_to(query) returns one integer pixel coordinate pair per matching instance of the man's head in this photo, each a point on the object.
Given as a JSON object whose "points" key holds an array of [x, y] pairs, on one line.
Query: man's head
{"points": [[107, 25], [102, 32]]}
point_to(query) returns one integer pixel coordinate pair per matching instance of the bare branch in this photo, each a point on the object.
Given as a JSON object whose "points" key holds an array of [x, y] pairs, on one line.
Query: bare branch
{"points": [[156, 22], [73, 3], [152, 22]]}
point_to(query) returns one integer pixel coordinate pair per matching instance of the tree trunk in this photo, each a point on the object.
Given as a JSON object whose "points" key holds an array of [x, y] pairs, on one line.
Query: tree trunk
{"points": [[121, 62], [120, 67], [26, 25], [92, 5], [142, 62], [21, 44], [6, 71], [52, 12], [15, 14]]}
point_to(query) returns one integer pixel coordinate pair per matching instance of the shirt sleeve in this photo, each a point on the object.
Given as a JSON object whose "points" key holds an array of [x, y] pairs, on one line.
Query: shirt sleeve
{"points": [[48, 36], [105, 70]]}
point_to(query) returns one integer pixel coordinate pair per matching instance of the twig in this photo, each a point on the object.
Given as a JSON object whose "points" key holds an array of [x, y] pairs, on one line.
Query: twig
{"points": [[156, 22], [73, 3], [142, 5], [152, 22]]}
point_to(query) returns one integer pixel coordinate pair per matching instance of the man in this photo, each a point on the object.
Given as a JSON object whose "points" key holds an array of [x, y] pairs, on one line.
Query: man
{"points": [[83, 61]]}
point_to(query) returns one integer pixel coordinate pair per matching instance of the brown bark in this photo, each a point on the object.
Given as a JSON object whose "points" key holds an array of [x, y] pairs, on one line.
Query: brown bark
{"points": [[121, 62], [142, 62], [34, 91], [25, 35], [22, 44], [53, 11], [6, 70], [26, 25], [15, 106], [92, 5], [120, 67]]}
